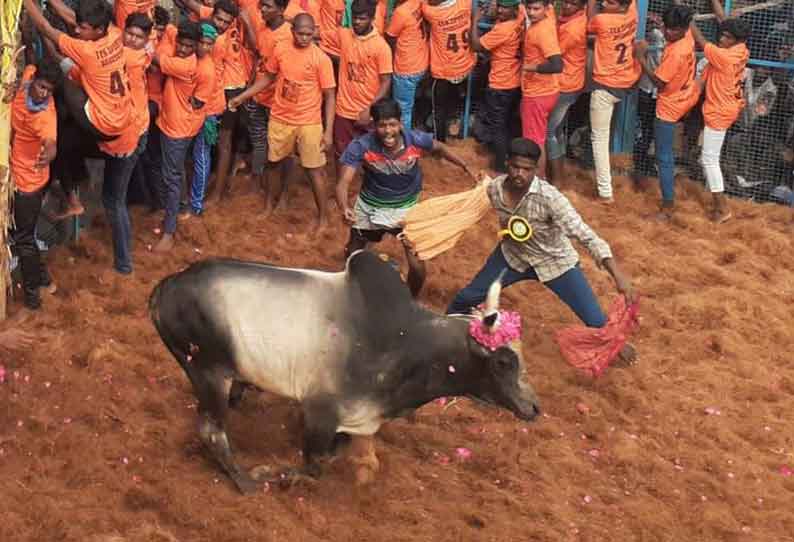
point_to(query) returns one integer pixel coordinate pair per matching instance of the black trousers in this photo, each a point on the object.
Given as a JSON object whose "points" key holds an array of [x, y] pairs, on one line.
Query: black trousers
{"points": [[447, 99], [646, 115], [27, 207], [501, 107]]}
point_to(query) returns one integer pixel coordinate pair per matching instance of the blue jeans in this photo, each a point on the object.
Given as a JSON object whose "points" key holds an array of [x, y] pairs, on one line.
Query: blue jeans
{"points": [[571, 287], [403, 89], [118, 172], [663, 136], [555, 129], [174, 152], [202, 164]]}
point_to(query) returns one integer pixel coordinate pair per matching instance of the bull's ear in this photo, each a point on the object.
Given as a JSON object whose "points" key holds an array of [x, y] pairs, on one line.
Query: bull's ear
{"points": [[490, 320]]}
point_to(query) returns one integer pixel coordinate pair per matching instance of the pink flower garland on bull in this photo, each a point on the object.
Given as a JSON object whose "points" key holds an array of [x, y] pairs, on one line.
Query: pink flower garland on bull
{"points": [[494, 328]]}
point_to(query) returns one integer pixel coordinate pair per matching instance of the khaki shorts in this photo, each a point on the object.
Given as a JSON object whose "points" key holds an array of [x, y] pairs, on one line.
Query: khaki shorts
{"points": [[284, 139]]}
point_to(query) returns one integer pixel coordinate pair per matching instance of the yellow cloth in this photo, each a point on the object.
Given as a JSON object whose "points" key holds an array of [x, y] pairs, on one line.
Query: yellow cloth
{"points": [[435, 225]]}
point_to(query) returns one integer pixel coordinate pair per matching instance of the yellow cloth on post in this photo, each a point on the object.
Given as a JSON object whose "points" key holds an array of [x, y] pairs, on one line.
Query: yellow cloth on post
{"points": [[435, 225]]}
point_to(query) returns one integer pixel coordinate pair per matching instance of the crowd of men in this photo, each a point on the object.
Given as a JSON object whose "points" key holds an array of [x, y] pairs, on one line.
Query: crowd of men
{"points": [[304, 80]]}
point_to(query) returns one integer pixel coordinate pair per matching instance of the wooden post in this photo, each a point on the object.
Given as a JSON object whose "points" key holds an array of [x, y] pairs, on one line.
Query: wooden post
{"points": [[9, 41]]}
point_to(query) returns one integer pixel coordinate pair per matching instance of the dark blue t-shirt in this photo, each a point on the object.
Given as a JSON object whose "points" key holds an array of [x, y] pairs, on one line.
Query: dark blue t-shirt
{"points": [[389, 180]]}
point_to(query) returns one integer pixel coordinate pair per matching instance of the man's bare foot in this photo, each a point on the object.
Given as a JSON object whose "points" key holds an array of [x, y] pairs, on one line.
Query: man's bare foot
{"points": [[186, 215], [51, 288], [627, 357], [718, 216], [165, 244]]}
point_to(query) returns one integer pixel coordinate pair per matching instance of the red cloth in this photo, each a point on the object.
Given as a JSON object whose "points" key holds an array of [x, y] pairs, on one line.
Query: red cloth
{"points": [[593, 349]]}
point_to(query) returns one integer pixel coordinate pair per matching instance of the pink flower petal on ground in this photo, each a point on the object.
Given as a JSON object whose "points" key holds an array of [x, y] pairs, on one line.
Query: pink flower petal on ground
{"points": [[587, 499], [2, 374], [786, 471], [594, 453], [441, 401], [463, 453], [451, 368]]}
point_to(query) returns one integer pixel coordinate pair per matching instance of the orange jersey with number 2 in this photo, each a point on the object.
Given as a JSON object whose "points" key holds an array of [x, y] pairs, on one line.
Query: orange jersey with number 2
{"points": [[614, 64]]}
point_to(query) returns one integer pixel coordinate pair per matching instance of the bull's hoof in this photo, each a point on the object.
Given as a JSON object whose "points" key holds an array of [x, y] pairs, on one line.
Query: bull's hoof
{"points": [[246, 484], [288, 478]]}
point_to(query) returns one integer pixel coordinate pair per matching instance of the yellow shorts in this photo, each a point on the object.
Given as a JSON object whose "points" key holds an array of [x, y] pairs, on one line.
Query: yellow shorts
{"points": [[283, 139]]}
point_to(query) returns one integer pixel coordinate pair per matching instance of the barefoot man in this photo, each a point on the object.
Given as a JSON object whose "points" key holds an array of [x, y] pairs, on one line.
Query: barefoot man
{"points": [[389, 157], [305, 90]]}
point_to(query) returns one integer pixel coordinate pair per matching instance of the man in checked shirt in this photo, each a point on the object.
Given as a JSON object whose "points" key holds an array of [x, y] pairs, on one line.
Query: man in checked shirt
{"points": [[547, 255]]}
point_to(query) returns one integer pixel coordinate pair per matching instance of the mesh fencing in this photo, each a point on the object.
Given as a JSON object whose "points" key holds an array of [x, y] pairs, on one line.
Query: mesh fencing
{"points": [[758, 154]]}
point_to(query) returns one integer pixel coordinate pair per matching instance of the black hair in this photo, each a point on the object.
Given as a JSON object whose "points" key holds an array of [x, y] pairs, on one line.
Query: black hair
{"points": [[521, 146], [302, 18], [281, 4], [161, 16], [48, 70], [737, 28], [189, 30], [363, 7], [385, 108], [227, 6], [96, 13], [677, 17], [139, 20]]}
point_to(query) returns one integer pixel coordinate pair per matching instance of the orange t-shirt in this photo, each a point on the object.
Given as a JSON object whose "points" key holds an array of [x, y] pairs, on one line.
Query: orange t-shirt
{"points": [[677, 70], [724, 77], [178, 119], [504, 43], [103, 77], [206, 84], [572, 34], [268, 40], [205, 12], [614, 64], [124, 8], [296, 7], [379, 22], [137, 62], [411, 52], [301, 77], [362, 60], [331, 12], [248, 56], [451, 57], [154, 77], [230, 55], [30, 130], [540, 43]]}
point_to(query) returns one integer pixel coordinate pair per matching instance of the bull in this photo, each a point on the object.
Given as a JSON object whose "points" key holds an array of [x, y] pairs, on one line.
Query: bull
{"points": [[352, 347]]}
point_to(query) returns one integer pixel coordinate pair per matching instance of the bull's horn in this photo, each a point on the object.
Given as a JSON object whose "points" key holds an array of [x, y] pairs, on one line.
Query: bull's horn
{"points": [[491, 313]]}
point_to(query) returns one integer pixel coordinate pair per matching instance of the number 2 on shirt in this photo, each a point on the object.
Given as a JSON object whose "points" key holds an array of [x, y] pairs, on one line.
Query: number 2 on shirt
{"points": [[452, 41]]}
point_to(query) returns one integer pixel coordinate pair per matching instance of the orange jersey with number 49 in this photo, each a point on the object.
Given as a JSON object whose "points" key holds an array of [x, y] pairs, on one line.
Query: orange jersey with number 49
{"points": [[451, 56]]}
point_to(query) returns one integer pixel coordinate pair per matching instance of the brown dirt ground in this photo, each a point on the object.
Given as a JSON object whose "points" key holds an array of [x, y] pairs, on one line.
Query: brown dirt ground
{"points": [[98, 434]]}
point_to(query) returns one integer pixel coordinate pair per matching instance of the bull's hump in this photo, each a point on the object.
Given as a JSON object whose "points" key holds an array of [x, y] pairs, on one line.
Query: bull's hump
{"points": [[285, 330]]}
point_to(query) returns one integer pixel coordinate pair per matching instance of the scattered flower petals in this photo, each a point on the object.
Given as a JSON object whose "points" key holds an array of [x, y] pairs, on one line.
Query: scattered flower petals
{"points": [[2, 374], [587, 499], [47, 384], [711, 411], [125, 460], [67, 420], [463, 453], [16, 375], [746, 529], [594, 453], [136, 479], [441, 401], [27, 378], [730, 475], [451, 368], [786, 471], [157, 231], [197, 250], [20, 423]]}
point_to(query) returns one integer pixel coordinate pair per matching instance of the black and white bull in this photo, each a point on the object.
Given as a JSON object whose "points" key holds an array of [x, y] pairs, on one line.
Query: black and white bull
{"points": [[352, 347]]}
